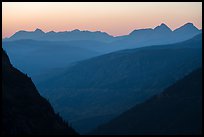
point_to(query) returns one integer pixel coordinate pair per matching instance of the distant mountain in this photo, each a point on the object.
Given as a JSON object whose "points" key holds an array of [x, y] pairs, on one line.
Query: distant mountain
{"points": [[177, 110], [61, 36], [36, 57], [24, 110], [187, 31], [163, 28], [35, 35], [28, 51], [119, 80], [188, 27], [161, 34]]}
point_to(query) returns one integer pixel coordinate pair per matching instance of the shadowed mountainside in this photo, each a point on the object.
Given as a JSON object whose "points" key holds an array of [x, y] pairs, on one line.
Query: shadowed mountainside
{"points": [[24, 111], [177, 110]]}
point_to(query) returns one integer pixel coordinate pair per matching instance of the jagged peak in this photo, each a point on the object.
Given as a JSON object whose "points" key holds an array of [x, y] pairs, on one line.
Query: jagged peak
{"points": [[51, 31], [39, 30], [75, 30], [163, 26], [188, 25]]}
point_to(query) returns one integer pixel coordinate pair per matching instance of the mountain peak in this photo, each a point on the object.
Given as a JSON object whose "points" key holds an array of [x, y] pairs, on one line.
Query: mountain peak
{"points": [[38, 30], [76, 30], [52, 31], [162, 27], [190, 25], [163, 24], [187, 27], [136, 31]]}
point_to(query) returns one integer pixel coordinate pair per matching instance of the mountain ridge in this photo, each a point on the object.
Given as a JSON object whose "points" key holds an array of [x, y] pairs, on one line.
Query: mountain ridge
{"points": [[176, 111], [24, 110], [101, 36]]}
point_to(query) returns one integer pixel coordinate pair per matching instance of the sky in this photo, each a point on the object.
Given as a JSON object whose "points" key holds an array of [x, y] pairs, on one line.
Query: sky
{"points": [[115, 18]]}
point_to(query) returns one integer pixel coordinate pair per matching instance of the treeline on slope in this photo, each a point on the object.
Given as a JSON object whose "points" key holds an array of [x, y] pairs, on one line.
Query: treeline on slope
{"points": [[24, 110]]}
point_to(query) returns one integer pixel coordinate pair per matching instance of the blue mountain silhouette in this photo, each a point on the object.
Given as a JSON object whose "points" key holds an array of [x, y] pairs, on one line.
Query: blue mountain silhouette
{"points": [[161, 34]]}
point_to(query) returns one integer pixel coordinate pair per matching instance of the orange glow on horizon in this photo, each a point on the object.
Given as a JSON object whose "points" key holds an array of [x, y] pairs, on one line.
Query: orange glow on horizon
{"points": [[115, 18]]}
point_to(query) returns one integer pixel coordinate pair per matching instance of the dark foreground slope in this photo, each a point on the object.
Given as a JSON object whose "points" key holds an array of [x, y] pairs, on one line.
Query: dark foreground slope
{"points": [[177, 110], [24, 111]]}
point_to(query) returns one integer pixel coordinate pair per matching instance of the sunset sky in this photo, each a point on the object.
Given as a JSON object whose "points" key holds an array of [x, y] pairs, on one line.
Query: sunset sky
{"points": [[115, 18]]}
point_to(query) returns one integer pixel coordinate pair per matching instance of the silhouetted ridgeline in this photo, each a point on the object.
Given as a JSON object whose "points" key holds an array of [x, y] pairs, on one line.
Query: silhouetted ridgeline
{"points": [[24, 111], [177, 110], [37, 52], [161, 34], [61, 36]]}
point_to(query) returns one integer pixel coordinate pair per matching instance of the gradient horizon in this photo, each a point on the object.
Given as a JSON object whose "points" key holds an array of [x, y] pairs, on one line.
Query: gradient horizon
{"points": [[115, 18]]}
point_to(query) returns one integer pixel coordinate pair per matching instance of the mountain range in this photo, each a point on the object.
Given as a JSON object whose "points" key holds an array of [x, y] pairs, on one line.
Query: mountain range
{"points": [[118, 80], [36, 52], [76, 34], [159, 34]]}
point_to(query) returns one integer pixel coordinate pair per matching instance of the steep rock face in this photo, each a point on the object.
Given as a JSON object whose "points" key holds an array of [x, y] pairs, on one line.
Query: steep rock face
{"points": [[177, 110], [24, 111]]}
